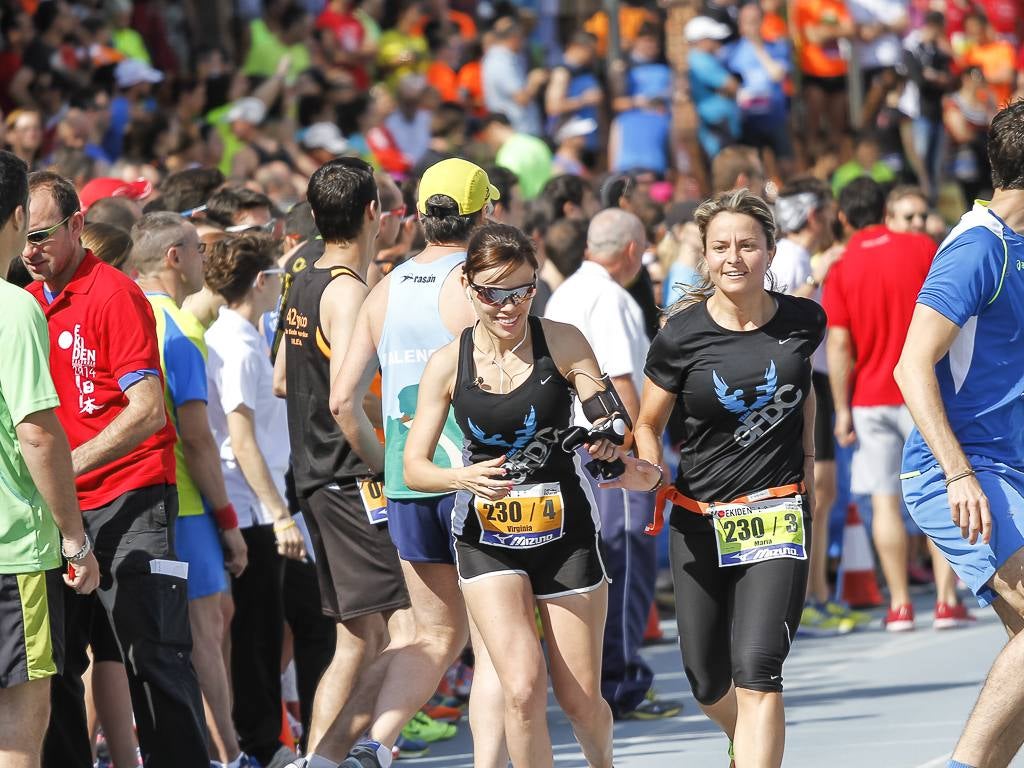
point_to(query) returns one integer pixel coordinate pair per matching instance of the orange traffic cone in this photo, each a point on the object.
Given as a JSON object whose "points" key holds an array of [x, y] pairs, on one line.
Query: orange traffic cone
{"points": [[857, 584], [287, 737], [653, 633]]}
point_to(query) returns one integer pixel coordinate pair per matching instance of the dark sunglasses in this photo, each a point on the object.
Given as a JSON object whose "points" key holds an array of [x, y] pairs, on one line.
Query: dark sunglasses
{"points": [[40, 236], [499, 297]]}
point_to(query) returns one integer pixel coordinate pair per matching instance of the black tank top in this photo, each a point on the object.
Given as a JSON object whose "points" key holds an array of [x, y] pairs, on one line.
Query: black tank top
{"points": [[320, 453], [525, 424]]}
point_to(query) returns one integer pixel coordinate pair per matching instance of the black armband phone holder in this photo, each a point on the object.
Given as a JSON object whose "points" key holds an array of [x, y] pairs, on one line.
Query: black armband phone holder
{"points": [[607, 413]]}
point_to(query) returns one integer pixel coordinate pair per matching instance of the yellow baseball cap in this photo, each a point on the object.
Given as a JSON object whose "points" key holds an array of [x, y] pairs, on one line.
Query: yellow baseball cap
{"points": [[464, 182]]}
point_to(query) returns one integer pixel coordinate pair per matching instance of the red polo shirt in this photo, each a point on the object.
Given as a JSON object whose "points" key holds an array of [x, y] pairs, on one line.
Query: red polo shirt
{"points": [[872, 291], [102, 328]]}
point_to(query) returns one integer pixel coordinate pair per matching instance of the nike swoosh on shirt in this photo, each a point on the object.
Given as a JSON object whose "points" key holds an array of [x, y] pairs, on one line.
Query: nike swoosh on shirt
{"points": [[545, 381], [783, 341]]}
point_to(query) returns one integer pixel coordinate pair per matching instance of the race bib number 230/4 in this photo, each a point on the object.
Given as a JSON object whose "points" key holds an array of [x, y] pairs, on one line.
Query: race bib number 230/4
{"points": [[531, 515], [761, 530]]}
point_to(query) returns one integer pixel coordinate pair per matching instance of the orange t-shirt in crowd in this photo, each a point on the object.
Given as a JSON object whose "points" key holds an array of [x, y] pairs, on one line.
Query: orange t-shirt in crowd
{"points": [[630, 21], [773, 27], [819, 60], [444, 80], [471, 80], [997, 61], [463, 23]]}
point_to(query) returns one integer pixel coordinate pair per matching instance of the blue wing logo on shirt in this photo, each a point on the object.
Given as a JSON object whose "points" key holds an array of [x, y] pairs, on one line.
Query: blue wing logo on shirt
{"points": [[734, 400], [523, 435]]}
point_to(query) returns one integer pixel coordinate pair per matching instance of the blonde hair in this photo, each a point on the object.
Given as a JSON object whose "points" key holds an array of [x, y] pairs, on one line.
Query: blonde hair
{"points": [[739, 201]]}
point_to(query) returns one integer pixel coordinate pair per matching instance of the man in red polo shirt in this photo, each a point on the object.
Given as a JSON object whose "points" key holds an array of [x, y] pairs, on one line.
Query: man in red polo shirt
{"points": [[106, 368], [869, 296]]}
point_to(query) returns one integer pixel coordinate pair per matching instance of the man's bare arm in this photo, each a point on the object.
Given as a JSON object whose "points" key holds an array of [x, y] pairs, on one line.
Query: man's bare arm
{"points": [[144, 415]]}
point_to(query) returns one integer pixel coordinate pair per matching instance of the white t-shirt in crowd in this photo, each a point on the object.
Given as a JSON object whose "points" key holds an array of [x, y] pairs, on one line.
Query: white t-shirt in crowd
{"points": [[886, 49], [239, 373], [609, 318], [791, 267]]}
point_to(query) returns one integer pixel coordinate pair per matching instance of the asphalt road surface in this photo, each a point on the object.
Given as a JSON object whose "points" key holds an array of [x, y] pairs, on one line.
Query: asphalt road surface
{"points": [[865, 699]]}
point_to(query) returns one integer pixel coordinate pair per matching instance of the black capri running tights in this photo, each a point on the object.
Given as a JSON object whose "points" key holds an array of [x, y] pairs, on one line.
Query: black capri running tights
{"points": [[736, 624]]}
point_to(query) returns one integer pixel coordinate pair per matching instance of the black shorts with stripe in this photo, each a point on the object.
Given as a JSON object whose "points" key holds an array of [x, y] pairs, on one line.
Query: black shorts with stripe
{"points": [[31, 626]]}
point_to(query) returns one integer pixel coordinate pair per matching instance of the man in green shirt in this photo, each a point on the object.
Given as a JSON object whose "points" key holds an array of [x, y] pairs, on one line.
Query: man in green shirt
{"points": [[528, 157], [37, 497]]}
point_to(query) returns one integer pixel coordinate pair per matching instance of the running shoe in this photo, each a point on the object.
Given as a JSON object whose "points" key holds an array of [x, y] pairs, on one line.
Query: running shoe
{"points": [[652, 709], [859, 618], [362, 755], [815, 622], [408, 748], [424, 728], [438, 709], [899, 619], [952, 616]]}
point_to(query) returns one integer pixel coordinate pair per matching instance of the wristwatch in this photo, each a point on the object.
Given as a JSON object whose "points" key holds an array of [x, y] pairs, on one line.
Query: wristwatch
{"points": [[81, 554]]}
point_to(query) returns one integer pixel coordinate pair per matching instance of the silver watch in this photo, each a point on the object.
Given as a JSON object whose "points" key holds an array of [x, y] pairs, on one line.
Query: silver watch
{"points": [[81, 554]]}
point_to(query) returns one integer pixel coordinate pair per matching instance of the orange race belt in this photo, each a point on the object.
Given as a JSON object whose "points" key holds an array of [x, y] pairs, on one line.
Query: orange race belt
{"points": [[671, 493]]}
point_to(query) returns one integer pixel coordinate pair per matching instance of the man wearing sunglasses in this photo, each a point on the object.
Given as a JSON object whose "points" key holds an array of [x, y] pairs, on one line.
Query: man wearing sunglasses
{"points": [[106, 367], [168, 255], [417, 308]]}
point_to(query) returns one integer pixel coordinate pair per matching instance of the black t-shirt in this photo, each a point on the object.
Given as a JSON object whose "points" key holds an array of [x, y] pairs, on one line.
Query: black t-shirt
{"points": [[741, 395]]}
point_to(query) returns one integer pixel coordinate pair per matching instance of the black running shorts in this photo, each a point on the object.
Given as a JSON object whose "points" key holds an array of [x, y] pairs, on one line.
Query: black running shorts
{"points": [[356, 562]]}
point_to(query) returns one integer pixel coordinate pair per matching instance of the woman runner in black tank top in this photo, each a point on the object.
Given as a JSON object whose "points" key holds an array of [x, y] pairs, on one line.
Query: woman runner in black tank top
{"points": [[524, 524]]}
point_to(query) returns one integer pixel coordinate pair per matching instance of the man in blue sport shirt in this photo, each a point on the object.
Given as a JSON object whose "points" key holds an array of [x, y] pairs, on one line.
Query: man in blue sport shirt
{"points": [[962, 375]]}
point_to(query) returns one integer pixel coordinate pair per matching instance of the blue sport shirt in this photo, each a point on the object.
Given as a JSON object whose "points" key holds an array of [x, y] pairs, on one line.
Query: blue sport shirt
{"points": [[977, 282]]}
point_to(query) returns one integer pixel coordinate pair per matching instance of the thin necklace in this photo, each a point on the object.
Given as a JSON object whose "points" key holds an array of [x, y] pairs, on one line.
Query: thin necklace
{"points": [[497, 364]]}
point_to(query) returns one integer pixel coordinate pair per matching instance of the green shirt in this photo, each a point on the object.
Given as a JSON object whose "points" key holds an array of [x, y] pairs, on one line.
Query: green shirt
{"points": [[851, 170], [529, 159], [29, 539], [183, 360]]}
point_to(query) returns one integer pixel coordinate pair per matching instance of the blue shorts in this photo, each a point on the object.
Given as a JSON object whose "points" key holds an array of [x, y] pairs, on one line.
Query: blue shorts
{"points": [[925, 495], [422, 529], [197, 542]]}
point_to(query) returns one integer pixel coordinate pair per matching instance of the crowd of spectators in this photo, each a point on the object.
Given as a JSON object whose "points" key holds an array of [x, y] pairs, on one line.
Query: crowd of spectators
{"points": [[267, 90]]}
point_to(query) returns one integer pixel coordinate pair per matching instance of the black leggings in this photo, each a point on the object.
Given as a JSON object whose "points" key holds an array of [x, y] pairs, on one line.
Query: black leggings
{"points": [[736, 624]]}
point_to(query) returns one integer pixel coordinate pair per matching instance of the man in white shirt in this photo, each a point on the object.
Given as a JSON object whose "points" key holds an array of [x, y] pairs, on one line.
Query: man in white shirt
{"points": [[508, 88], [594, 300]]}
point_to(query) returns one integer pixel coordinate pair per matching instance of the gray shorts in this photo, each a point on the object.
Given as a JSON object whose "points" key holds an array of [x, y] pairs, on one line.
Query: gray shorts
{"points": [[881, 432]]}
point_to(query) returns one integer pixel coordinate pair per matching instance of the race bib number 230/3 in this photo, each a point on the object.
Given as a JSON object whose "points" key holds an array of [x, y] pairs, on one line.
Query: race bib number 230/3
{"points": [[761, 530]]}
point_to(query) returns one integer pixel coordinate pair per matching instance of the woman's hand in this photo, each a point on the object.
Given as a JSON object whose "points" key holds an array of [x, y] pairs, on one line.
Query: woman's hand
{"points": [[484, 479], [602, 450], [290, 543], [640, 475]]}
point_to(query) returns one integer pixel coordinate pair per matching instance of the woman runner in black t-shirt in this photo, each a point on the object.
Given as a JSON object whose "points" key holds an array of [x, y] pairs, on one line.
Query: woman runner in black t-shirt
{"points": [[737, 359], [524, 521]]}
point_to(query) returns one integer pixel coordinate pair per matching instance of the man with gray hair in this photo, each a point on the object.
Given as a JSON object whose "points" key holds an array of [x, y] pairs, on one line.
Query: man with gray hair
{"points": [[168, 256], [594, 300]]}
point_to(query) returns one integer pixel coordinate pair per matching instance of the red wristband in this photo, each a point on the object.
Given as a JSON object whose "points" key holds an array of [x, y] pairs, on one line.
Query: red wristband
{"points": [[226, 517]]}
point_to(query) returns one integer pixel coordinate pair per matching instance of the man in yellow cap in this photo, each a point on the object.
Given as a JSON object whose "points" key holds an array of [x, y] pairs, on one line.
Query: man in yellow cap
{"points": [[419, 307]]}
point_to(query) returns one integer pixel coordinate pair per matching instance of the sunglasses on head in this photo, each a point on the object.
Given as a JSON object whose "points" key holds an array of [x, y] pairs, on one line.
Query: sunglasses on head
{"points": [[239, 229], [399, 212], [40, 236], [499, 297]]}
